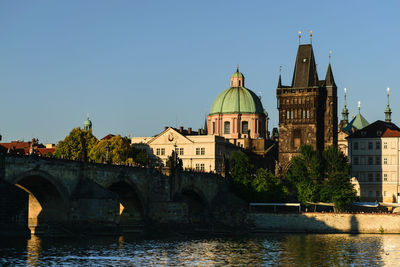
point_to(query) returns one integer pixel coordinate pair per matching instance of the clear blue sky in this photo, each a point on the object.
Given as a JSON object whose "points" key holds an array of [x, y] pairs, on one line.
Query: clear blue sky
{"points": [[137, 66]]}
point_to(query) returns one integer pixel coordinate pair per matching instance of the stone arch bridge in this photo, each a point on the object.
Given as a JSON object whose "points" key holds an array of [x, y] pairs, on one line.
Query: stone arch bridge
{"points": [[73, 196]]}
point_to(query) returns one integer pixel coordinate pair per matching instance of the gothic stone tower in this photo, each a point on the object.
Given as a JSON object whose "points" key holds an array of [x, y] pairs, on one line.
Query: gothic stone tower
{"points": [[307, 108]]}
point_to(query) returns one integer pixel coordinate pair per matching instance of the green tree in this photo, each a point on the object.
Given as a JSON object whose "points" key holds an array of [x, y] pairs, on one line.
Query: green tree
{"points": [[76, 145], [268, 188], [322, 177], [337, 187], [119, 150], [240, 168], [306, 174]]}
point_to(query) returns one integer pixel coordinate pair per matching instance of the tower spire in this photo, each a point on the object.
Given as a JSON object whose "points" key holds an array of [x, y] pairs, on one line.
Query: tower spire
{"points": [[280, 79], [388, 111], [359, 107], [345, 111]]}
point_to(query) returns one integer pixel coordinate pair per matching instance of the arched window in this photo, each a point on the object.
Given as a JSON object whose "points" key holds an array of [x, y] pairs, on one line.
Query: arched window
{"points": [[287, 114], [245, 127], [239, 83], [227, 127]]}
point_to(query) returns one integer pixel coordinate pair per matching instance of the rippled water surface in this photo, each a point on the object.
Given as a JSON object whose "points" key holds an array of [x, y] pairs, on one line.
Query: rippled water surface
{"points": [[265, 250]]}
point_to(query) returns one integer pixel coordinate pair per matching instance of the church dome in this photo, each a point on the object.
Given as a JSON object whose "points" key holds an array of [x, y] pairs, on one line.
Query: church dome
{"points": [[237, 98]]}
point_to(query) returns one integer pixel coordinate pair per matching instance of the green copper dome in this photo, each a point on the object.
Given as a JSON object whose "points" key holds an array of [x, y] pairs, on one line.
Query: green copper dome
{"points": [[237, 100]]}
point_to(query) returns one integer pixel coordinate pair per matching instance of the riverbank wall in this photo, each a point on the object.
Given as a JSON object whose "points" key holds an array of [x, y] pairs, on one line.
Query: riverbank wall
{"points": [[324, 223]]}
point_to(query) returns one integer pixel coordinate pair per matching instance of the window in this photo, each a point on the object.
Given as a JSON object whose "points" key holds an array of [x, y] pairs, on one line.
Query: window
{"points": [[213, 127], [362, 145], [279, 103], [291, 114], [378, 145], [200, 167], [378, 193], [355, 145], [162, 151], [370, 160], [385, 177], [370, 193], [384, 145], [385, 161], [370, 146], [245, 127], [378, 160], [378, 177], [355, 160], [158, 151], [287, 114], [200, 151], [180, 151], [370, 178], [227, 127], [384, 193]]}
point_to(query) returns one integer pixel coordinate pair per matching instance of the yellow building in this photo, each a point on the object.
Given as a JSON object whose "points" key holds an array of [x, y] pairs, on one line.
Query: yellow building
{"points": [[374, 152], [197, 151]]}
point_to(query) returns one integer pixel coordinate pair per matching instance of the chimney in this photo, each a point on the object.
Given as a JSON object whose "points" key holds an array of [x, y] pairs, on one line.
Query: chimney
{"points": [[181, 129], [190, 130]]}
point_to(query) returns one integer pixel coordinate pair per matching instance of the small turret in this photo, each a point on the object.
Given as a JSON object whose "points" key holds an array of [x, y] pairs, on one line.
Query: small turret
{"points": [[87, 125]]}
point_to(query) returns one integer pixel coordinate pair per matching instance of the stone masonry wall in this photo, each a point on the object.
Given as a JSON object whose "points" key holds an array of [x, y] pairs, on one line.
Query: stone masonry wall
{"points": [[324, 223]]}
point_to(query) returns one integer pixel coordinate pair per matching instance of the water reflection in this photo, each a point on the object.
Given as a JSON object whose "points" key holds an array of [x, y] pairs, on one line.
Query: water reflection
{"points": [[33, 251], [274, 249]]}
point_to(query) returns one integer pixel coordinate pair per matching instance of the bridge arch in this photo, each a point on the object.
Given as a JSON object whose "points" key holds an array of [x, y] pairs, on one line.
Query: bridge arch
{"points": [[48, 200], [197, 204], [132, 205]]}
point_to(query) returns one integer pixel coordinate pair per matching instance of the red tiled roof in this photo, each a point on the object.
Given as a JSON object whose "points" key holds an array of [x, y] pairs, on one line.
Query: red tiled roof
{"points": [[391, 133]]}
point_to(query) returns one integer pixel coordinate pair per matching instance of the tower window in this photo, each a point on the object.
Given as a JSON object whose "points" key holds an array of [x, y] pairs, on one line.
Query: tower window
{"points": [[227, 127], [213, 127], [239, 83]]}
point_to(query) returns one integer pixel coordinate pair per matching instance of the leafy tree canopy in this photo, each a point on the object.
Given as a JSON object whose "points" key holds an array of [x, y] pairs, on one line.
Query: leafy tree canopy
{"points": [[76, 145], [119, 150], [322, 177]]}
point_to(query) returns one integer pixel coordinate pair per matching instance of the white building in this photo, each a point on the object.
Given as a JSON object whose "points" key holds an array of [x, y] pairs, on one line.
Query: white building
{"points": [[374, 155], [198, 152]]}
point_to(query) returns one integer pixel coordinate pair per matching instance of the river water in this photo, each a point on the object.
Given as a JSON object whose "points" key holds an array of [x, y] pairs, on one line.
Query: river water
{"points": [[254, 250]]}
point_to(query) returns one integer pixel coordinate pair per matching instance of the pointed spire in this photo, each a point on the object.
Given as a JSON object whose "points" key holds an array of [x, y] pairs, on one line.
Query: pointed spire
{"points": [[280, 79], [237, 68], [359, 107], [329, 80], [388, 111], [305, 70], [345, 111]]}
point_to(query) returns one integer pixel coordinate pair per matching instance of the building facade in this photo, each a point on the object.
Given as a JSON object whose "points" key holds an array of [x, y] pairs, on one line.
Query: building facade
{"points": [[307, 108], [374, 152], [198, 152], [237, 113]]}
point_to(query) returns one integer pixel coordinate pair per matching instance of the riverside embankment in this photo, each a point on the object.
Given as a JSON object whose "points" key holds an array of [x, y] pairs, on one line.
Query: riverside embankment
{"points": [[324, 223]]}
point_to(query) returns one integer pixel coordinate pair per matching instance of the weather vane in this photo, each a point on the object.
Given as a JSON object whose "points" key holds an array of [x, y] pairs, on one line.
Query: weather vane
{"points": [[310, 37], [330, 54], [299, 36]]}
